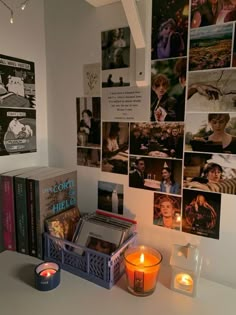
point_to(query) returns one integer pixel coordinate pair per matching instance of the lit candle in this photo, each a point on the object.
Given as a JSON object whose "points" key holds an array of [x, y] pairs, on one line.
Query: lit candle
{"points": [[47, 272], [184, 282], [142, 266], [47, 276]]}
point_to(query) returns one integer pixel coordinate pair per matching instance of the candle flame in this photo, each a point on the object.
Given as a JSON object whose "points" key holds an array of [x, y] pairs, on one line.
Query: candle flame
{"points": [[185, 279], [141, 258]]}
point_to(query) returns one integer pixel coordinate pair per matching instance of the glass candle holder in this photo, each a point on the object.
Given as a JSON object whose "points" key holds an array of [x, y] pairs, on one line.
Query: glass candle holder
{"points": [[142, 265]]}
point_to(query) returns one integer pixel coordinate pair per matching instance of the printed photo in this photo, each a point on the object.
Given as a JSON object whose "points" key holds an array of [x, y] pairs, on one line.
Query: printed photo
{"points": [[167, 211], [213, 132], [88, 157], [115, 147], [157, 139], [210, 172], [115, 46], [115, 78], [92, 79], [169, 28], [201, 213], [111, 197], [101, 246], [234, 51], [210, 47], [17, 83], [17, 131], [88, 121], [162, 175], [210, 12], [168, 82], [213, 91]]}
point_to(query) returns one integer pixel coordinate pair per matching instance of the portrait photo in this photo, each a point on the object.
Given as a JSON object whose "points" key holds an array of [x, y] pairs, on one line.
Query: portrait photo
{"points": [[210, 172], [88, 121], [201, 213], [168, 89], [212, 132], [167, 211], [169, 28]]}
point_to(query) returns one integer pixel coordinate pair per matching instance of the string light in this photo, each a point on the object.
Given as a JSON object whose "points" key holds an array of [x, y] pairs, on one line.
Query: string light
{"points": [[23, 5]]}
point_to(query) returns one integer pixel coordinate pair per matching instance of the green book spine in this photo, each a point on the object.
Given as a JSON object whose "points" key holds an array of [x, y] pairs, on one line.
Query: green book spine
{"points": [[31, 217], [21, 216]]}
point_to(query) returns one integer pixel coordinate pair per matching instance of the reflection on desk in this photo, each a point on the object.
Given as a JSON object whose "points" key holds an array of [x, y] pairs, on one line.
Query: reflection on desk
{"points": [[153, 184]]}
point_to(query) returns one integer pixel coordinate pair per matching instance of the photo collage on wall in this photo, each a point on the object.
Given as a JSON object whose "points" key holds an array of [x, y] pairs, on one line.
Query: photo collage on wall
{"points": [[185, 153], [17, 106]]}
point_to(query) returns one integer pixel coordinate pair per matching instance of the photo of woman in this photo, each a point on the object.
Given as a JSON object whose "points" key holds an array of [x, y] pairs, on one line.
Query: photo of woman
{"points": [[216, 134]]}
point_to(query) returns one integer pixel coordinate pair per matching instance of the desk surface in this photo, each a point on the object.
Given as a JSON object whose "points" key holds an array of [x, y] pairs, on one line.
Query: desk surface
{"points": [[78, 296]]}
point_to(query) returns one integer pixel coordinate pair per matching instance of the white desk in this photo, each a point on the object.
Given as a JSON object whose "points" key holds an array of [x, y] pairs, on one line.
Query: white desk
{"points": [[78, 296]]}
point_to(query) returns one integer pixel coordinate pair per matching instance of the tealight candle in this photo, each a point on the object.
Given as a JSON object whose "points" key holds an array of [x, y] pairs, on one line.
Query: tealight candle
{"points": [[142, 265], [184, 282], [47, 276]]}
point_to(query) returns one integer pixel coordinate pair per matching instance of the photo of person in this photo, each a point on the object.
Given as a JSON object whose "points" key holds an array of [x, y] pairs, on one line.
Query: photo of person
{"points": [[210, 12], [115, 48], [167, 211], [17, 83], [157, 139], [201, 213], [169, 28], [115, 78], [88, 157], [156, 174], [210, 172], [215, 132], [88, 121], [168, 82], [115, 147], [215, 91], [210, 47], [111, 197]]}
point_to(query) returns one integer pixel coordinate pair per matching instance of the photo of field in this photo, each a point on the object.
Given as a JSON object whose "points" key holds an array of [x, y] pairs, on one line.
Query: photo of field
{"points": [[210, 47]]}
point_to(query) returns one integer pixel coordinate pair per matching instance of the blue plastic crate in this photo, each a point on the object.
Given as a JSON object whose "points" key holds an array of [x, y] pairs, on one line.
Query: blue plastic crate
{"points": [[94, 266]]}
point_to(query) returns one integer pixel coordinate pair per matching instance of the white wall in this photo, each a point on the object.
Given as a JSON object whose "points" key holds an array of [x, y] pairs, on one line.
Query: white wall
{"points": [[73, 30], [25, 39]]}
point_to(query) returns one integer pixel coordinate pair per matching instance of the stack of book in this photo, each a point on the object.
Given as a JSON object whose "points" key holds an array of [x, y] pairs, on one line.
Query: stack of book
{"points": [[28, 197]]}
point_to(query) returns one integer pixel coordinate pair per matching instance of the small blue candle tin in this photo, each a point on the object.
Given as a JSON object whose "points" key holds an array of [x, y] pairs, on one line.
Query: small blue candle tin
{"points": [[47, 276]]}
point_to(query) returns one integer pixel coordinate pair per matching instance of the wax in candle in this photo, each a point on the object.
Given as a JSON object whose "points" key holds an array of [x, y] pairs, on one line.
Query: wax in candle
{"points": [[47, 272]]}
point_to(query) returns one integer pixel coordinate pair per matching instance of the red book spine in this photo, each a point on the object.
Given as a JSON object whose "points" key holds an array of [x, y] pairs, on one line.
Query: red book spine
{"points": [[9, 237]]}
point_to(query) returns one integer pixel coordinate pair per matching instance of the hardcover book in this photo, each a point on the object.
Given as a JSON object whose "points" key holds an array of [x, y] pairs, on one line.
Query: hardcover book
{"points": [[21, 209], [53, 194], [31, 214], [7, 205]]}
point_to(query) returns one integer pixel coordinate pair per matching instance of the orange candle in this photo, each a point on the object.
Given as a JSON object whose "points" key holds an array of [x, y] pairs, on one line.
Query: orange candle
{"points": [[142, 265]]}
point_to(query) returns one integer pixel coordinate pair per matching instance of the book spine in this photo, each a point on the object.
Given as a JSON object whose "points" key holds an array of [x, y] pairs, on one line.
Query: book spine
{"points": [[21, 216], [39, 241], [1, 219], [31, 217], [8, 213]]}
